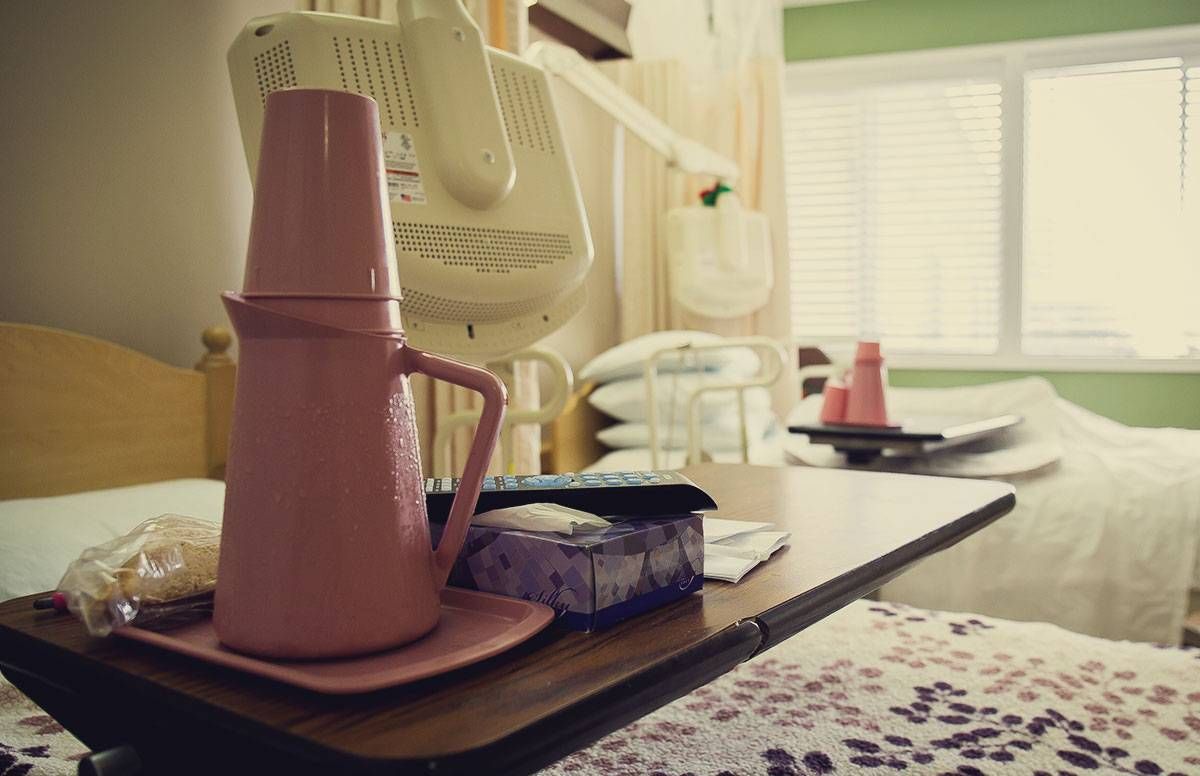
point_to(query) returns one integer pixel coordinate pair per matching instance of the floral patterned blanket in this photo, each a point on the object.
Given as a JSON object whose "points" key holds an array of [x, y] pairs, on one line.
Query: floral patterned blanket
{"points": [[882, 687], [31, 742], [875, 687]]}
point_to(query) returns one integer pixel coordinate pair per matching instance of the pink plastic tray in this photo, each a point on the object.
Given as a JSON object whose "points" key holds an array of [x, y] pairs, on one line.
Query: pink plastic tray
{"points": [[474, 626]]}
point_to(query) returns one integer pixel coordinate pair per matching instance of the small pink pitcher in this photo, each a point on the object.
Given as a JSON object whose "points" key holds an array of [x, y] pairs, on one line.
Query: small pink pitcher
{"points": [[325, 547]]}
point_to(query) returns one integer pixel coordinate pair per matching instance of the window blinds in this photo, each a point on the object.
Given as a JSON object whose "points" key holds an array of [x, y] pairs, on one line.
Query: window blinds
{"points": [[1111, 251], [894, 210]]}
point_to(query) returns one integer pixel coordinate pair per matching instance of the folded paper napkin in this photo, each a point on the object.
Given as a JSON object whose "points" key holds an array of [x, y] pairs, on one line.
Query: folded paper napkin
{"points": [[541, 517], [733, 547]]}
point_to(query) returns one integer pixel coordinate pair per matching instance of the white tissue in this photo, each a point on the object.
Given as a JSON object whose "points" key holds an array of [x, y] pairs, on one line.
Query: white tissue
{"points": [[541, 517]]}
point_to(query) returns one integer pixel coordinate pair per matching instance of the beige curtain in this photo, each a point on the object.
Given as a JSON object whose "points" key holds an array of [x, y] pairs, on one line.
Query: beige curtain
{"points": [[503, 22], [733, 104]]}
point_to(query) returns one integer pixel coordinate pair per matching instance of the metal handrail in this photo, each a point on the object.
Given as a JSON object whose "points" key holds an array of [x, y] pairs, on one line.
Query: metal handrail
{"points": [[562, 383], [772, 359]]}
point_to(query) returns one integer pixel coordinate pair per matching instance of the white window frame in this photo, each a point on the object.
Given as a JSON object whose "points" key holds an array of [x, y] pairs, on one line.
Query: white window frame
{"points": [[1010, 60]]}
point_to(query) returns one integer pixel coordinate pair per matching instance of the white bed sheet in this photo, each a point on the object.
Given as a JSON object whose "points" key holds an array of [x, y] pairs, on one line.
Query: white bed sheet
{"points": [[1105, 541], [40, 536]]}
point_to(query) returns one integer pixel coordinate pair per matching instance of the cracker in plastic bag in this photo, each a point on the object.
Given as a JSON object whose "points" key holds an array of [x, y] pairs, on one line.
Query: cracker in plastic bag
{"points": [[165, 566]]}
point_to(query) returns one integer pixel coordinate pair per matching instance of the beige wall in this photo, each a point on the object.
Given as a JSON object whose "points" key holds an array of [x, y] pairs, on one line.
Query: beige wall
{"points": [[125, 205], [125, 200]]}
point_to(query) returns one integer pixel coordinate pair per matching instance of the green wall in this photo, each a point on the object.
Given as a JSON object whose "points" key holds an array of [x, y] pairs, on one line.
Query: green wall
{"points": [[880, 26], [1134, 398]]}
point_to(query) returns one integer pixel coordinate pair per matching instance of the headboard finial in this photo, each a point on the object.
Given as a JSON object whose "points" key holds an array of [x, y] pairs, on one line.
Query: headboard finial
{"points": [[220, 373], [216, 339]]}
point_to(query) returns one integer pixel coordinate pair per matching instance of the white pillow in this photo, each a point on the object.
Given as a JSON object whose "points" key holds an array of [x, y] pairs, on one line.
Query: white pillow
{"points": [[627, 359], [40, 536], [721, 433], [626, 399]]}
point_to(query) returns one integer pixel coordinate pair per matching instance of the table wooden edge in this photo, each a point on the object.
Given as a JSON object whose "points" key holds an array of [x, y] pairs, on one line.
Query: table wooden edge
{"points": [[786, 620], [610, 709]]}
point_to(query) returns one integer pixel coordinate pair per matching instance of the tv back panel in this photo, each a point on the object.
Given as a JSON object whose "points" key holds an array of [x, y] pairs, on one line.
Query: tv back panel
{"points": [[477, 279]]}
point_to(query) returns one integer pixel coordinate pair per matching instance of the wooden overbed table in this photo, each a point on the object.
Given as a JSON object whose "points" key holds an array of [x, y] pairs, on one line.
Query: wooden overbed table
{"points": [[519, 711]]}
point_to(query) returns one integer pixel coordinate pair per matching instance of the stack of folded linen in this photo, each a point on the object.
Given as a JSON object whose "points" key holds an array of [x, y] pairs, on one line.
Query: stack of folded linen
{"points": [[621, 394]]}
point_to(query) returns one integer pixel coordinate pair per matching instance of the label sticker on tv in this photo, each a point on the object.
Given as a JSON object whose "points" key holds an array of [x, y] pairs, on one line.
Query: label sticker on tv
{"points": [[402, 168]]}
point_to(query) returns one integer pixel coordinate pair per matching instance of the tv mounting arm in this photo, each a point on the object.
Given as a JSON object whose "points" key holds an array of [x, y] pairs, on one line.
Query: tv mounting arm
{"points": [[681, 152], [474, 156], [454, 80]]}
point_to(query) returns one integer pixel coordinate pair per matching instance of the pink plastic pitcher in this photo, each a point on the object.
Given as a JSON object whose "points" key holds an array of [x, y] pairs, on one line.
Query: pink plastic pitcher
{"points": [[866, 404], [325, 547]]}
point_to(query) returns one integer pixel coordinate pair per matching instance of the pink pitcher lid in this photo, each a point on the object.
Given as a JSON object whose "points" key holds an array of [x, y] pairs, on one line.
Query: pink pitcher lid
{"points": [[322, 222], [868, 351]]}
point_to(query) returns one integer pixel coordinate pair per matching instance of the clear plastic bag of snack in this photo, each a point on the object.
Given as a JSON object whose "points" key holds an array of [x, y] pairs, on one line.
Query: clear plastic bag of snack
{"points": [[165, 566]]}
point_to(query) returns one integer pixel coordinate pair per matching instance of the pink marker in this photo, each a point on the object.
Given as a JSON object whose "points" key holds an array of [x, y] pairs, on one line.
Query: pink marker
{"points": [[57, 602]]}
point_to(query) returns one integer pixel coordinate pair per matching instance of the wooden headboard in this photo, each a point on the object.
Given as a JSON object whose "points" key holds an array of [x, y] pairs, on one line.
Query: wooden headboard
{"points": [[571, 442], [78, 413]]}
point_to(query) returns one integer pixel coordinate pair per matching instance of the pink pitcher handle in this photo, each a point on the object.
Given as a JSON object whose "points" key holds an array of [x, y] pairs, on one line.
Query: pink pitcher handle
{"points": [[495, 397]]}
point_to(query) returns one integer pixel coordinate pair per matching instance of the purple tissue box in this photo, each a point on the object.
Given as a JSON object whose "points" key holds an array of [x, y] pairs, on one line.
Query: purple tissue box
{"points": [[592, 579]]}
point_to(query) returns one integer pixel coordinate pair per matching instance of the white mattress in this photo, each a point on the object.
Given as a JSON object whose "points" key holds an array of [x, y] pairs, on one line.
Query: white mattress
{"points": [[40, 536]]}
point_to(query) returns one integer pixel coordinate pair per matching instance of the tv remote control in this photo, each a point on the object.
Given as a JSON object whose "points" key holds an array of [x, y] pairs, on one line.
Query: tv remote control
{"points": [[608, 494]]}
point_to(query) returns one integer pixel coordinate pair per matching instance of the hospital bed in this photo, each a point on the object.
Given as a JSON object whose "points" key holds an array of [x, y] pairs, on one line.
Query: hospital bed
{"points": [[880, 683], [1105, 538]]}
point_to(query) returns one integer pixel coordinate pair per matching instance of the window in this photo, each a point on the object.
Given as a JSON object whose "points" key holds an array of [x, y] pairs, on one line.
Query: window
{"points": [[894, 210], [1022, 202], [1105, 269]]}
